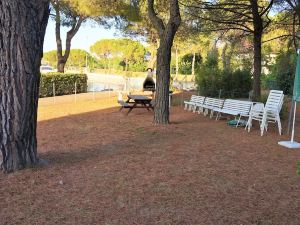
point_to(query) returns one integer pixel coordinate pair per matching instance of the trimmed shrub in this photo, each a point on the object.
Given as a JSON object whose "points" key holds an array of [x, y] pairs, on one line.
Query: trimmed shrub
{"points": [[64, 84]]}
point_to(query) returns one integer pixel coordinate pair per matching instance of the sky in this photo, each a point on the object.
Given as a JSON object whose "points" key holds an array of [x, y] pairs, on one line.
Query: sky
{"points": [[87, 35]]}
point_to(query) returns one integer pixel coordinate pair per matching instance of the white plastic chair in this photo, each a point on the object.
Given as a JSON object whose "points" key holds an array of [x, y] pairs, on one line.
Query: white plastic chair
{"points": [[269, 113], [256, 113], [272, 111]]}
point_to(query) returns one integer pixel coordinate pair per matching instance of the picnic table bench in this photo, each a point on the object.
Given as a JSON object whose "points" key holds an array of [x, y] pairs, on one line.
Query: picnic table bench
{"points": [[136, 101]]}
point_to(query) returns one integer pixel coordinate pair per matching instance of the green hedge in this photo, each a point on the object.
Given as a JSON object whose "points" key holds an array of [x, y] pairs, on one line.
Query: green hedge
{"points": [[64, 84]]}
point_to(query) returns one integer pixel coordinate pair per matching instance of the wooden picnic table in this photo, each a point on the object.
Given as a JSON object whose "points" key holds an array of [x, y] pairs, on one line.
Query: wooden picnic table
{"points": [[138, 101]]}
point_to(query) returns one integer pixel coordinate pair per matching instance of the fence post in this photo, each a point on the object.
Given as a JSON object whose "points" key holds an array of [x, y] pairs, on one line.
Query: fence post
{"points": [[93, 90], [109, 91], [75, 91], [53, 89], [182, 94]]}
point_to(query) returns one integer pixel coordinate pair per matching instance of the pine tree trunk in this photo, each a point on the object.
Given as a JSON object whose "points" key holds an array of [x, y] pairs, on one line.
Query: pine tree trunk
{"points": [[166, 34], [193, 64], [161, 109], [61, 66], [62, 58], [22, 25], [224, 57], [257, 66], [257, 36]]}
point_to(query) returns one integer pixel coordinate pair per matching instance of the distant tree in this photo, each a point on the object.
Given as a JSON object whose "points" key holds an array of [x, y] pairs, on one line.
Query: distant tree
{"points": [[248, 16], [142, 28], [104, 49], [131, 51], [77, 58], [128, 50], [23, 26], [73, 13], [65, 15], [293, 6], [50, 58]]}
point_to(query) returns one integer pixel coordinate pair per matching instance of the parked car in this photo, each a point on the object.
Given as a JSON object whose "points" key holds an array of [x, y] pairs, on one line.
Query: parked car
{"points": [[47, 69]]}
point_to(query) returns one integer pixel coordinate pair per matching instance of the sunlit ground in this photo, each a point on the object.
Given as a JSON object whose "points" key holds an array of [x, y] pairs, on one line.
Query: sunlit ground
{"points": [[60, 106]]}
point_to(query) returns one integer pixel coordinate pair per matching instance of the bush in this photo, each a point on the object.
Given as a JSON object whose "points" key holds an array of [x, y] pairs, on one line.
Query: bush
{"points": [[64, 84], [269, 82], [208, 77], [214, 82], [284, 71], [298, 168]]}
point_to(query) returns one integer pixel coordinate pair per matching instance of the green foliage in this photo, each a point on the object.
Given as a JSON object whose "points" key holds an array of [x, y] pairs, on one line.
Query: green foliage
{"points": [[284, 71], [50, 58], [103, 48], [100, 8], [210, 80], [64, 84], [269, 82], [76, 59], [208, 77], [185, 64], [123, 54], [298, 168], [236, 84]]}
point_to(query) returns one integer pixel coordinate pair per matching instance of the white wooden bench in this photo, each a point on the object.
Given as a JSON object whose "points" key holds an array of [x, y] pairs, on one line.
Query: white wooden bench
{"points": [[188, 104], [192, 104], [210, 104], [236, 108], [198, 101]]}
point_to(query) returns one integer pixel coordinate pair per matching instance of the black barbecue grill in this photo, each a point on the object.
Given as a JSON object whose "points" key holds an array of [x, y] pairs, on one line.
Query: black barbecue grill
{"points": [[149, 84]]}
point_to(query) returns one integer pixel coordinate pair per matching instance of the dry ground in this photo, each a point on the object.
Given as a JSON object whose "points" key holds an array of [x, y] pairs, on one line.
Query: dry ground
{"points": [[108, 168]]}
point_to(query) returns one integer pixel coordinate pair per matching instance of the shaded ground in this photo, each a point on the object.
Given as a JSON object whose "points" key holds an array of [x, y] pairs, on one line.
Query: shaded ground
{"points": [[106, 168]]}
